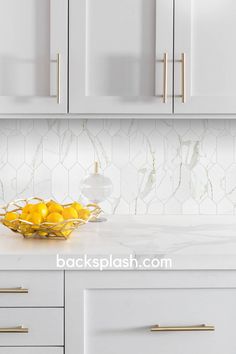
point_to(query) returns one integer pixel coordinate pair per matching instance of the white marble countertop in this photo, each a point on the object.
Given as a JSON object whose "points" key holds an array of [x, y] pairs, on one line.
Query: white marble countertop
{"points": [[191, 242]]}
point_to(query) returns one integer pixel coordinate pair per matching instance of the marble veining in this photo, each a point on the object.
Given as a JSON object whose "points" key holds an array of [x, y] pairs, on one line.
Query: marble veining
{"points": [[157, 166]]}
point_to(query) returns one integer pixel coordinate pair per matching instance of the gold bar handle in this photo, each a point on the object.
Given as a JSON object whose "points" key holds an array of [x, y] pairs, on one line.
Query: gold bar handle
{"points": [[202, 327], [19, 290], [183, 64], [165, 78], [58, 78], [19, 329]]}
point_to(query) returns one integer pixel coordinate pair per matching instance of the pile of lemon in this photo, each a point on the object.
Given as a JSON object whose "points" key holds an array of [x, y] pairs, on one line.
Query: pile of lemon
{"points": [[31, 216]]}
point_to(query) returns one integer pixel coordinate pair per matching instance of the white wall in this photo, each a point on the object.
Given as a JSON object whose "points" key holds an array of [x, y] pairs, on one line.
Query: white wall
{"points": [[157, 166]]}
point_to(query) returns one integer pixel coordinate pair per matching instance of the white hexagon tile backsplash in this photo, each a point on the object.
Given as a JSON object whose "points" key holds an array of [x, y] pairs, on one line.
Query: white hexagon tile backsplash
{"points": [[157, 166]]}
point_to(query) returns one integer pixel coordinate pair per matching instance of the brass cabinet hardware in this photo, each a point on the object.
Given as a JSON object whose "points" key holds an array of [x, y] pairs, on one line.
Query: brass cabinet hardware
{"points": [[202, 327], [58, 78], [19, 290], [183, 84], [165, 78], [19, 329]]}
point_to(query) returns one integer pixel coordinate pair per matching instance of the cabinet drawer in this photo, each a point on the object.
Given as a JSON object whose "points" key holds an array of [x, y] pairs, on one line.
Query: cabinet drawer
{"points": [[31, 350], [39, 288], [119, 321], [45, 327]]}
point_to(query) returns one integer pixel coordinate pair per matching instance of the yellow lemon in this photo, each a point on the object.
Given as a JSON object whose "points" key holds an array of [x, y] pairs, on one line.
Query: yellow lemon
{"points": [[55, 218], [28, 208], [55, 207], [36, 218], [25, 229], [69, 213], [50, 203], [84, 214], [24, 216], [11, 216], [42, 233], [28, 234], [77, 206], [42, 209], [11, 220]]}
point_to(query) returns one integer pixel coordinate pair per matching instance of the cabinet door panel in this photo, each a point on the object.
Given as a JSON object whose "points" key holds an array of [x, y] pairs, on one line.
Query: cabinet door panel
{"points": [[114, 312], [32, 34], [205, 30], [116, 56]]}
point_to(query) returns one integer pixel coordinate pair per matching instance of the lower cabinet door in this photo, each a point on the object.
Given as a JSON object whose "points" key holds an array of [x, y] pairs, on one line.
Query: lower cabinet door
{"points": [[150, 312], [31, 350], [31, 327]]}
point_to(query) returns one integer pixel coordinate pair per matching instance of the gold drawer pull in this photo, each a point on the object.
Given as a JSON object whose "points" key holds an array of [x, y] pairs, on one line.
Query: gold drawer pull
{"points": [[165, 78], [58, 78], [183, 64], [19, 329], [19, 290], [202, 327]]}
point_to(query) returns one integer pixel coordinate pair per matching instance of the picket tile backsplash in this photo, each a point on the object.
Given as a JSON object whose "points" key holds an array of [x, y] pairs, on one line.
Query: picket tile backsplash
{"points": [[157, 166]]}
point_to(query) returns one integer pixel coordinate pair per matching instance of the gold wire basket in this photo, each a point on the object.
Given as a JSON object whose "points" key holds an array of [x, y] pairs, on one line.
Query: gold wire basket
{"points": [[45, 230]]}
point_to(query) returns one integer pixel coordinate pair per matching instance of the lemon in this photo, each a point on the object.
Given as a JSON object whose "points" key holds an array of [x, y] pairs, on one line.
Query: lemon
{"points": [[28, 208], [42, 233], [36, 218], [11, 220], [84, 214], [77, 206], [24, 216], [55, 207], [42, 209], [25, 229], [11, 216], [28, 234], [50, 203], [69, 213], [55, 218]]}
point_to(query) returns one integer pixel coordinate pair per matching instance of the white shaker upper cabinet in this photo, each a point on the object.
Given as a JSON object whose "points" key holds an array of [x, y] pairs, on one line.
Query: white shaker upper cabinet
{"points": [[33, 56], [205, 56], [121, 56]]}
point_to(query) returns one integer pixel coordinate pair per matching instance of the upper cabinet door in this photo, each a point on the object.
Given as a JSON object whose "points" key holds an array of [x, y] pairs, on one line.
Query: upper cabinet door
{"points": [[205, 56], [121, 56], [33, 56]]}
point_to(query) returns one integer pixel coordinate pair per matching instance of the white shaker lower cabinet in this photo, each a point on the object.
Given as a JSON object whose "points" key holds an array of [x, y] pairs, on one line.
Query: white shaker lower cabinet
{"points": [[33, 56], [176, 312], [205, 70], [121, 55]]}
